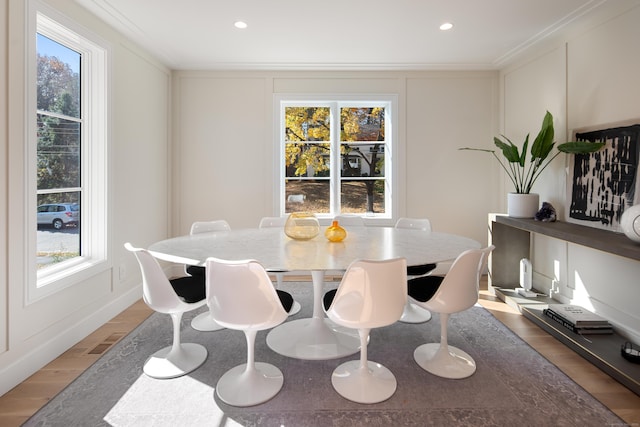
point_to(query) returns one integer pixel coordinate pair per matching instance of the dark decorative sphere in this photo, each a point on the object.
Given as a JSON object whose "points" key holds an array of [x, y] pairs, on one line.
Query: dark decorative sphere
{"points": [[547, 213]]}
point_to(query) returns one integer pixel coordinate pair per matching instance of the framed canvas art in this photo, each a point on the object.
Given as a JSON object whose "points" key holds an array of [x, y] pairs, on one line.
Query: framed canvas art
{"points": [[601, 185]]}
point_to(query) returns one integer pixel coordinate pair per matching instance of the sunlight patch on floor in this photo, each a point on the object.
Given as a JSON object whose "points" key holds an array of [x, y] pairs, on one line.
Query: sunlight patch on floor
{"points": [[151, 401], [491, 303]]}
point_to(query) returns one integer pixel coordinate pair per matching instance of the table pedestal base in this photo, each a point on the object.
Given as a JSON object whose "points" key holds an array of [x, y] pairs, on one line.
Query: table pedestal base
{"points": [[313, 339]]}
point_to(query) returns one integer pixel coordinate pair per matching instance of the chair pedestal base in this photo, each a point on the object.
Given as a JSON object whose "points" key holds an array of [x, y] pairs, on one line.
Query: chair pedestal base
{"points": [[190, 357], [374, 385], [414, 314], [204, 322], [446, 362], [242, 387], [295, 308]]}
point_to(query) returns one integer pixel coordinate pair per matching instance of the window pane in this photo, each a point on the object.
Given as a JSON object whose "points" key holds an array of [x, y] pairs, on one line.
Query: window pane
{"points": [[307, 124], [58, 153], [58, 228], [307, 196], [362, 196], [342, 142], [310, 160], [362, 124], [362, 160], [58, 78]]}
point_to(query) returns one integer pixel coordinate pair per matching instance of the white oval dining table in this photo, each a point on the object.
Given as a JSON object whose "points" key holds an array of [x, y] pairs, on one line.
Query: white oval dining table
{"points": [[315, 338]]}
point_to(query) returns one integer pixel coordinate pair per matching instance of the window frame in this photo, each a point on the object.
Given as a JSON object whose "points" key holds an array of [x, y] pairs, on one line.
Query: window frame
{"points": [[94, 88], [335, 101]]}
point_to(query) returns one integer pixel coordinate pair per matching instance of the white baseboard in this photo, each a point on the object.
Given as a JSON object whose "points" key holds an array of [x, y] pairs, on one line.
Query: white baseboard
{"points": [[36, 358]]}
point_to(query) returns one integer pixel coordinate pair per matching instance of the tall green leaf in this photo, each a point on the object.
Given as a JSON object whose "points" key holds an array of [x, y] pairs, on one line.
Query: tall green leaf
{"points": [[543, 144]]}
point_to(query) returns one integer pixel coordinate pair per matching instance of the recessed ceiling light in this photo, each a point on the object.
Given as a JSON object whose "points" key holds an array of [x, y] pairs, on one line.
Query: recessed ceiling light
{"points": [[446, 26], [240, 24]]}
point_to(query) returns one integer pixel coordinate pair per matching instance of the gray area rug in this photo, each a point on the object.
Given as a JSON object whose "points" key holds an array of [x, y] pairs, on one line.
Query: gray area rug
{"points": [[513, 384]]}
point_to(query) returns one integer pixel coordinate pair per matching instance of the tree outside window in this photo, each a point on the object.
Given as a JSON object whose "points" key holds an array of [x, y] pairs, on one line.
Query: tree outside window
{"points": [[58, 152], [334, 157]]}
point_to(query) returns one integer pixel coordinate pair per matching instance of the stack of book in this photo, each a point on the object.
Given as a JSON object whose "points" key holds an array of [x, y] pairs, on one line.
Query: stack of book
{"points": [[578, 319]]}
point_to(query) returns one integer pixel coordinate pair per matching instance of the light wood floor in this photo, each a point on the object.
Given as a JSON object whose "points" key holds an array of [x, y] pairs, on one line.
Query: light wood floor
{"points": [[20, 403]]}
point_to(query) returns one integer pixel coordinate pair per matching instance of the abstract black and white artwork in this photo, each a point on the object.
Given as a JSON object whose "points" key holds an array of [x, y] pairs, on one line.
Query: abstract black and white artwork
{"points": [[602, 185]]}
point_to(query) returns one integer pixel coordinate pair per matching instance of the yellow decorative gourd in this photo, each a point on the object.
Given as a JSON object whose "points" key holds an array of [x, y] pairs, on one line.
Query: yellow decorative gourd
{"points": [[335, 233]]}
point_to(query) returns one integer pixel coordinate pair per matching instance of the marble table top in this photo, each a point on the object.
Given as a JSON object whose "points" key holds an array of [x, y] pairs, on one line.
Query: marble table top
{"points": [[276, 251]]}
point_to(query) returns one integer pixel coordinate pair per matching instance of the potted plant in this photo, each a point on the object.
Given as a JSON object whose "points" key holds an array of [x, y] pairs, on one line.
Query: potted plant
{"points": [[522, 173]]}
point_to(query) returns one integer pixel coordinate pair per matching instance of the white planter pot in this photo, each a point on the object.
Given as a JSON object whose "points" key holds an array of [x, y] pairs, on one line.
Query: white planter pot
{"points": [[522, 205]]}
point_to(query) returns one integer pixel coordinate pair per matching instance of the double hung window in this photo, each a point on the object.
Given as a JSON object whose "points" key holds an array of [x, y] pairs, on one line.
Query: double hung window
{"points": [[67, 154], [337, 156]]}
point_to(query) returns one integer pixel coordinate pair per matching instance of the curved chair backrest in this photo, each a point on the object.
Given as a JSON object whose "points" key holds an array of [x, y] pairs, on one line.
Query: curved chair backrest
{"points": [[272, 221], [209, 226], [349, 220], [485, 259], [422, 224], [459, 289], [157, 291], [371, 294], [240, 295], [414, 223]]}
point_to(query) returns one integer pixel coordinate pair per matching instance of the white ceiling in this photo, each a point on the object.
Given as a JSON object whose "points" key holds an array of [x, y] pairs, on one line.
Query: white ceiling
{"points": [[338, 34]]}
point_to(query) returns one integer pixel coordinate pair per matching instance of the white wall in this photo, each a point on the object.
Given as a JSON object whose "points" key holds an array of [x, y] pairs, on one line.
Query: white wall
{"points": [[224, 164], [32, 335], [222, 149], [587, 78], [522, 118], [4, 138], [447, 111]]}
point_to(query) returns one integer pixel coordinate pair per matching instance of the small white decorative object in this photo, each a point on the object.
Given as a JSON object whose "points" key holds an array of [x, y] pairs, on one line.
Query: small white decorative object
{"points": [[525, 279], [630, 222]]}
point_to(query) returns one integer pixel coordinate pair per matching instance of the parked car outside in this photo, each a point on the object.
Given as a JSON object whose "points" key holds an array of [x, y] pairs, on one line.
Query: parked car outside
{"points": [[58, 215]]}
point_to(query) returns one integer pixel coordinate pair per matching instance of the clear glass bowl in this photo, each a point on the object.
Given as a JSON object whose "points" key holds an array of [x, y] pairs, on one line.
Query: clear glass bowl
{"points": [[302, 226]]}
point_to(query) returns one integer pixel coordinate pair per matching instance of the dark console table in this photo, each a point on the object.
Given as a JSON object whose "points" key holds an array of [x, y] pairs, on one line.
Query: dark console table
{"points": [[512, 237]]}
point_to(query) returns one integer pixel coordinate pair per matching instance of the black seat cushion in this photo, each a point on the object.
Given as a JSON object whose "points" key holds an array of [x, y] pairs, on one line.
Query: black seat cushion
{"points": [[420, 289], [419, 270], [196, 270], [191, 288], [328, 298], [285, 299], [423, 288]]}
